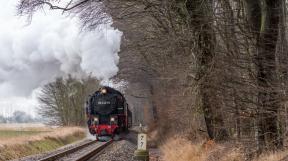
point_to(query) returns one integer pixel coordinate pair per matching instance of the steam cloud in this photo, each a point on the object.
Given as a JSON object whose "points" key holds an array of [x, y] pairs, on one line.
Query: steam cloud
{"points": [[52, 45]]}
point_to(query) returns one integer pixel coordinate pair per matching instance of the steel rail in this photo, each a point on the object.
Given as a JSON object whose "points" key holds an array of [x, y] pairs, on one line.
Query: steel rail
{"points": [[66, 152], [94, 152]]}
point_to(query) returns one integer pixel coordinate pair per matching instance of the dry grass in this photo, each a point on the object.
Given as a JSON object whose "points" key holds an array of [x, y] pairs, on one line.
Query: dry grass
{"points": [[179, 149], [273, 156], [53, 133], [35, 140]]}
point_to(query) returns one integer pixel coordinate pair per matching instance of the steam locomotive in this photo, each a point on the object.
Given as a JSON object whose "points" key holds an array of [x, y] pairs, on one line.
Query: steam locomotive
{"points": [[108, 113]]}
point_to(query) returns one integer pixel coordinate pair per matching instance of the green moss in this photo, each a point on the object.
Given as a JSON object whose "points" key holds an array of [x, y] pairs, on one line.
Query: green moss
{"points": [[36, 147]]}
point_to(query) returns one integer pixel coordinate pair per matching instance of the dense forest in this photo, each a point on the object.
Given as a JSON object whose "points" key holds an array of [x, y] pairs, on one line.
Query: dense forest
{"points": [[203, 68]]}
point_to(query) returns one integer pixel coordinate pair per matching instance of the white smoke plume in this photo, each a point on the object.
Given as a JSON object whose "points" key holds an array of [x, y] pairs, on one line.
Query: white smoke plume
{"points": [[52, 45], [120, 85]]}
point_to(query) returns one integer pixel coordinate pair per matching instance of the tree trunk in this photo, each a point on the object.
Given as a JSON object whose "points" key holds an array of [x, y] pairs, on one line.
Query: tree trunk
{"points": [[264, 20], [201, 21]]}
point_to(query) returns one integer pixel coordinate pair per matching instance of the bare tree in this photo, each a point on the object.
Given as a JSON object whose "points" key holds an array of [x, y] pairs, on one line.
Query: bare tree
{"points": [[62, 102]]}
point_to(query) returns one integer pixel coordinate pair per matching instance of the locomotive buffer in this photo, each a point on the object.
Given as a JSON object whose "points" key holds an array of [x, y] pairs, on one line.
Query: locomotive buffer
{"points": [[142, 153]]}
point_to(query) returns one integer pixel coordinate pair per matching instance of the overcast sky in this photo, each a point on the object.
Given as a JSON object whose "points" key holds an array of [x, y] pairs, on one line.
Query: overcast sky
{"points": [[32, 55]]}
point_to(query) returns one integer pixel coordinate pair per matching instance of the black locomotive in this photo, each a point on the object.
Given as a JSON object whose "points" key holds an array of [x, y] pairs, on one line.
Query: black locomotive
{"points": [[108, 113]]}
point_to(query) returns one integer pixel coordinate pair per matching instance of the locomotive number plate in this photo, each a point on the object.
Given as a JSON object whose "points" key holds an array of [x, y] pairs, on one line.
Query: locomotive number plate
{"points": [[104, 103], [142, 141]]}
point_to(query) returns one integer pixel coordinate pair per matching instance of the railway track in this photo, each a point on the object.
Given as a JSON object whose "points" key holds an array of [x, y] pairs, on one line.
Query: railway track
{"points": [[94, 147]]}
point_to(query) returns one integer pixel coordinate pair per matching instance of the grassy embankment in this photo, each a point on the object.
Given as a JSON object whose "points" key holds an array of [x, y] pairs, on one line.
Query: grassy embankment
{"points": [[179, 149], [15, 143]]}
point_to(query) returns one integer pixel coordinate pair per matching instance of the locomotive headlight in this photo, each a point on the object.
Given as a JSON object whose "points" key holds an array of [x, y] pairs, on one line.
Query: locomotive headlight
{"points": [[103, 91], [112, 119], [96, 120]]}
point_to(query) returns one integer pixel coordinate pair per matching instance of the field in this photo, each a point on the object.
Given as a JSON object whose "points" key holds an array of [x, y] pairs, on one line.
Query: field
{"points": [[20, 130], [12, 134], [19, 140]]}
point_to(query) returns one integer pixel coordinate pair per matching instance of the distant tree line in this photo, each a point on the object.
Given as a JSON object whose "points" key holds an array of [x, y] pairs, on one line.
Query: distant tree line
{"points": [[62, 102], [19, 117]]}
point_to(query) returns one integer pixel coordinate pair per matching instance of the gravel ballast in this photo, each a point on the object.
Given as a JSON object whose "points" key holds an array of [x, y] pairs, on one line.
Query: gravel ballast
{"points": [[119, 151]]}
